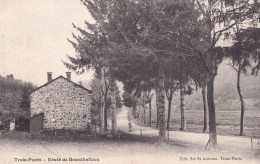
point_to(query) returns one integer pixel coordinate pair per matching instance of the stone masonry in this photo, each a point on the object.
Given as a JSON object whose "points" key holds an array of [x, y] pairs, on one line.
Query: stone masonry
{"points": [[65, 105]]}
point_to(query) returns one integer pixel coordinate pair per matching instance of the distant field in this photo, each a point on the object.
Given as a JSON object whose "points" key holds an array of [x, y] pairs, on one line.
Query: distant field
{"points": [[228, 122], [227, 109], [227, 118]]}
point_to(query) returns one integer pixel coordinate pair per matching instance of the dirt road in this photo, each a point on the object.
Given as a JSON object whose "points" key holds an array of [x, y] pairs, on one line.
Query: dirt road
{"points": [[184, 148], [237, 144]]}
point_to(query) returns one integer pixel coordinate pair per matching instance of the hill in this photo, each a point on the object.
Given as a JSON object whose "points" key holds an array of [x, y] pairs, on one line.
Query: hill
{"points": [[13, 95]]}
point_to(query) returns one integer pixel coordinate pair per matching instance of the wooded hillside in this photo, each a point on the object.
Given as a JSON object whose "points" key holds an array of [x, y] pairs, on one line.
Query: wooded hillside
{"points": [[14, 97]]}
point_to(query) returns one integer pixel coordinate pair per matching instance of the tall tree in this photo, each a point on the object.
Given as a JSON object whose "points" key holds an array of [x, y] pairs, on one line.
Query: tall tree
{"points": [[98, 93], [241, 55], [142, 30], [205, 108], [145, 32], [149, 97], [170, 87], [198, 77], [91, 48], [218, 17], [113, 107], [171, 83]]}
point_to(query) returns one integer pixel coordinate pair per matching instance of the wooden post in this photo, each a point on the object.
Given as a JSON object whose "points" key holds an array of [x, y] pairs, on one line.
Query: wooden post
{"points": [[141, 134], [168, 136], [207, 144], [251, 144], [119, 133]]}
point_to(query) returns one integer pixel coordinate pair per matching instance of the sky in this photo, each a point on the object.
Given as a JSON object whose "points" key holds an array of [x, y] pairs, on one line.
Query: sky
{"points": [[33, 38]]}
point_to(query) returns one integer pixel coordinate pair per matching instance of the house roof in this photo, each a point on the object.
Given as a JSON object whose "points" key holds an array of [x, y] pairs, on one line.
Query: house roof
{"points": [[75, 84]]}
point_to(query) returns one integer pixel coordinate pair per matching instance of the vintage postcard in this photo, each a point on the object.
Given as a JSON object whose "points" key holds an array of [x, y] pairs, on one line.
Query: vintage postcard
{"points": [[129, 81]]}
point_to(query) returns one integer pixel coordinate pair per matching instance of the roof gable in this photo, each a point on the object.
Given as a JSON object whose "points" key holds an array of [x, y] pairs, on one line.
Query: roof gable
{"points": [[74, 84]]}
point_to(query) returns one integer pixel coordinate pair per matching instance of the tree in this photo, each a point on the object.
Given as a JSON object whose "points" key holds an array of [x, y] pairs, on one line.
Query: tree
{"points": [[143, 31], [171, 85], [218, 19], [242, 59], [205, 108], [97, 98], [25, 97], [146, 98], [101, 86], [240, 63], [154, 31], [149, 97], [91, 48], [198, 77], [130, 101], [113, 107], [169, 90]]}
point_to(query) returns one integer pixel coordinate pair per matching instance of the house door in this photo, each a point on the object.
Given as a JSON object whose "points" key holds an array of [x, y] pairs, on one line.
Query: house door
{"points": [[36, 123]]}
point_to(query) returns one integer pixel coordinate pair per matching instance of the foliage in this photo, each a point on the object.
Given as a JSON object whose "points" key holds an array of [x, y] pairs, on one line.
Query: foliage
{"points": [[247, 43], [22, 123], [101, 97], [129, 100], [25, 97], [139, 41], [14, 95]]}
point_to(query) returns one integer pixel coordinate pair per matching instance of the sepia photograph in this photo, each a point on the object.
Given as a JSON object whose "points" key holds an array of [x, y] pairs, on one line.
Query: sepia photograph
{"points": [[129, 81]]}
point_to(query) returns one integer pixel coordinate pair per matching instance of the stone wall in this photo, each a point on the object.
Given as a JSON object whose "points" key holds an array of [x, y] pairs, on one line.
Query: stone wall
{"points": [[65, 105]]}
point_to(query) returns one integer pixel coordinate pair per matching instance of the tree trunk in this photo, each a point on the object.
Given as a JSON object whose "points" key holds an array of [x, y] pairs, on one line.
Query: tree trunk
{"points": [[113, 106], [212, 115], [140, 112], [157, 105], [134, 112], [169, 111], [183, 124], [205, 108], [105, 112], [242, 104], [144, 117], [161, 109], [150, 112], [101, 115], [143, 106]]}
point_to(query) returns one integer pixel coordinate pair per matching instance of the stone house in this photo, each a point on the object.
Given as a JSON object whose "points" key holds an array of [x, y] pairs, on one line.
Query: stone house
{"points": [[60, 104]]}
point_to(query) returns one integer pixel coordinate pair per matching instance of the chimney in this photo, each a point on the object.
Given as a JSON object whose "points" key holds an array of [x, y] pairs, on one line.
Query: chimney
{"points": [[49, 75], [68, 75]]}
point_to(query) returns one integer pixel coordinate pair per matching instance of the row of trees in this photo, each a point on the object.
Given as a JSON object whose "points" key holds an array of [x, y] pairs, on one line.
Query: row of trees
{"points": [[161, 45]]}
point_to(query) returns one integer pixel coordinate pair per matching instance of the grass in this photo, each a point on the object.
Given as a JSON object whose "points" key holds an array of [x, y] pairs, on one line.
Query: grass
{"points": [[72, 137], [228, 121]]}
